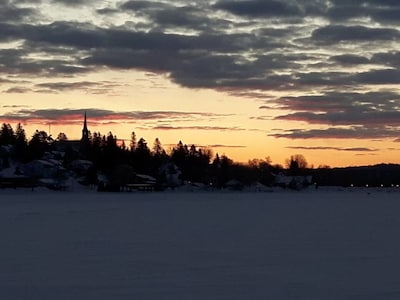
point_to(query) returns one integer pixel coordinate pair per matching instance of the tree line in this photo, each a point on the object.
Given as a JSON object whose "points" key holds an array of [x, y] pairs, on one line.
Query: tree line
{"points": [[116, 159]]}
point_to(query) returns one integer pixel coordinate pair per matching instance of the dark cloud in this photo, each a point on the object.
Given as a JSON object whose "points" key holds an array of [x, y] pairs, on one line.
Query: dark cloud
{"points": [[389, 15], [354, 149], [341, 101], [391, 59], [249, 48], [18, 90], [367, 116], [107, 11], [13, 106], [345, 80], [85, 36], [367, 109], [386, 76], [102, 115], [163, 15], [17, 61], [18, 2], [226, 146], [9, 32], [11, 12], [260, 8], [332, 34], [384, 12], [350, 59], [68, 86], [3, 80], [214, 60], [354, 132], [71, 2], [372, 118], [380, 3], [207, 128], [138, 5]]}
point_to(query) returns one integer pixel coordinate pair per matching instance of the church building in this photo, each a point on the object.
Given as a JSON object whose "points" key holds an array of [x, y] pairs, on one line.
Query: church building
{"points": [[85, 139], [81, 146]]}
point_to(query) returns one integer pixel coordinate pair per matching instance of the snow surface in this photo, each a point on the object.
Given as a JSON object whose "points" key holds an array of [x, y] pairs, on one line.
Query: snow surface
{"points": [[314, 244]]}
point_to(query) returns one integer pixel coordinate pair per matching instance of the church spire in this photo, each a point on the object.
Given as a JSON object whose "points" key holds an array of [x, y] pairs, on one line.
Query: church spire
{"points": [[85, 131], [85, 122], [85, 141]]}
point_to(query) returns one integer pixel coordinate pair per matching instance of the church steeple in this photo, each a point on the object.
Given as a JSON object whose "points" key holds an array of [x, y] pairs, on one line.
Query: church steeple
{"points": [[85, 131], [85, 140]]}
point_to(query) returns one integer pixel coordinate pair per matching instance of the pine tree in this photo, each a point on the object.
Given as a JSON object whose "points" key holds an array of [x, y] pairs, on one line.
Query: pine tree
{"points": [[133, 141], [142, 162], [39, 144], [21, 143], [158, 149], [62, 137], [7, 136]]}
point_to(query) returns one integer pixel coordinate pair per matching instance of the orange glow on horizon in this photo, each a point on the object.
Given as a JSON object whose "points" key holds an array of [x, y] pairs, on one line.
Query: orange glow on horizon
{"points": [[236, 124], [239, 146]]}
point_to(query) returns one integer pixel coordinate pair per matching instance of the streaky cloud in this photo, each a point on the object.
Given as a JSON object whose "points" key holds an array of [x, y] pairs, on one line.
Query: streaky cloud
{"points": [[354, 149]]}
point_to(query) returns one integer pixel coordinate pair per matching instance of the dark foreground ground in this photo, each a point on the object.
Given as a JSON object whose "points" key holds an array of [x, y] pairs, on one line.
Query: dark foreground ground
{"points": [[323, 244]]}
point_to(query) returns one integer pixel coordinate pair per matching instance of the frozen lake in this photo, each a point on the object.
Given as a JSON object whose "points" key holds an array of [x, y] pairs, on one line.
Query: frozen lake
{"points": [[323, 244]]}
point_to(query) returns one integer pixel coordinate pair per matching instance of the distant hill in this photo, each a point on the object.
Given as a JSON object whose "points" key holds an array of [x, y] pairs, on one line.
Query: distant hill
{"points": [[377, 175]]}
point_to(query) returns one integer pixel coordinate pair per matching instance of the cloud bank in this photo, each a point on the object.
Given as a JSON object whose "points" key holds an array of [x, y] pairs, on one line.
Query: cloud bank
{"points": [[335, 62]]}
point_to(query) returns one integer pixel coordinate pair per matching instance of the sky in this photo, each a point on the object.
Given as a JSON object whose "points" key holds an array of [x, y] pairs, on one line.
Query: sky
{"points": [[246, 78]]}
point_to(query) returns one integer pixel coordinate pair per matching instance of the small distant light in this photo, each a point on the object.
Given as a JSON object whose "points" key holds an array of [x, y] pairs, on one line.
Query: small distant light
{"points": [[381, 185], [397, 185], [392, 185], [352, 185], [366, 185]]}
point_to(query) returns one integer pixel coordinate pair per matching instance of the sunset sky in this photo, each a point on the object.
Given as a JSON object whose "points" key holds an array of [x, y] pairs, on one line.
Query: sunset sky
{"points": [[248, 78]]}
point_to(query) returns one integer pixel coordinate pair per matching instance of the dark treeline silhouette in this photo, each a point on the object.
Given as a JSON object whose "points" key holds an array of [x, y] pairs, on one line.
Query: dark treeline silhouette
{"points": [[120, 162]]}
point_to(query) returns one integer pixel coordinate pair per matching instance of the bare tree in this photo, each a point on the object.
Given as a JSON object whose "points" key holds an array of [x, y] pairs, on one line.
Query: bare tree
{"points": [[296, 163]]}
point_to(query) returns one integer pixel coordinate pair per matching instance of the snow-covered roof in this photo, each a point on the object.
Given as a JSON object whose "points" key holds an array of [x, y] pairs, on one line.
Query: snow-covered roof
{"points": [[54, 162], [146, 177]]}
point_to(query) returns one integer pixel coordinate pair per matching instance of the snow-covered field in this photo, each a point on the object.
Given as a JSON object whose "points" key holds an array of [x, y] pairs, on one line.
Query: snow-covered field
{"points": [[314, 244]]}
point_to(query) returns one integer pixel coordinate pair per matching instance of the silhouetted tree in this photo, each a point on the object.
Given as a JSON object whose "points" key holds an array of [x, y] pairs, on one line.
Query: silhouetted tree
{"points": [[39, 144], [142, 163], [123, 146], [221, 170], [225, 169], [179, 154], [62, 137], [296, 164], [159, 157], [111, 141], [214, 171], [197, 164], [110, 151], [96, 140], [95, 150], [133, 141], [7, 136], [158, 149], [21, 143], [262, 169]]}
